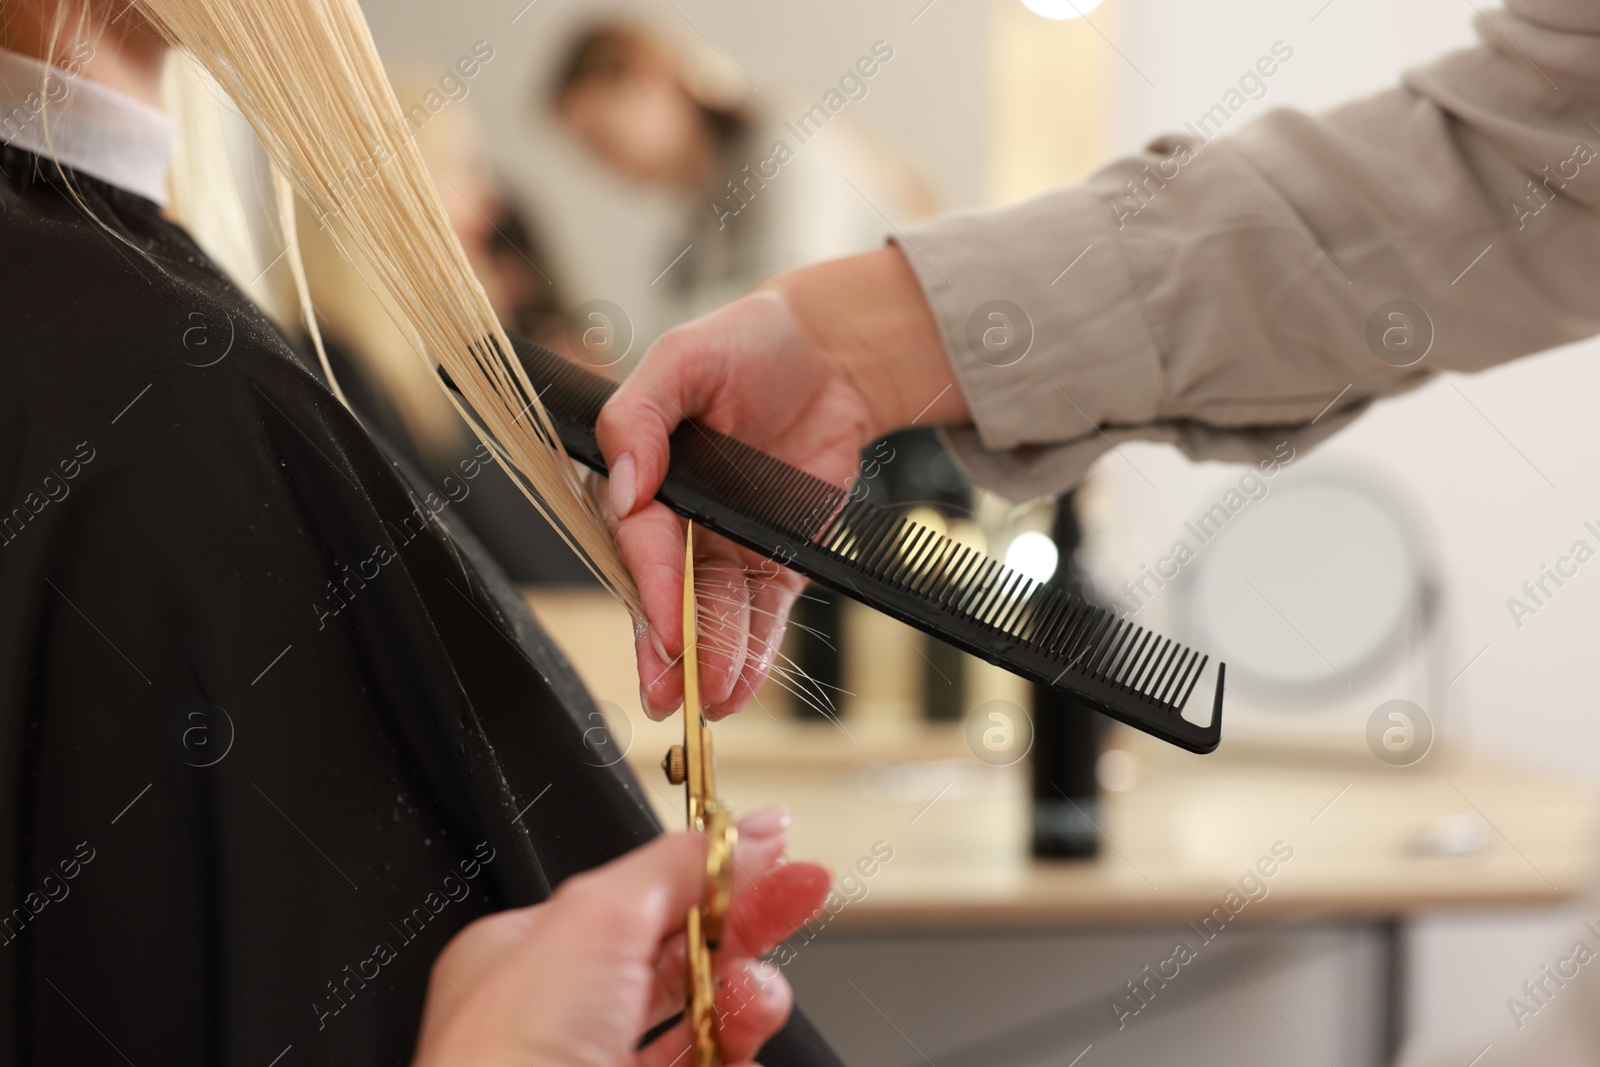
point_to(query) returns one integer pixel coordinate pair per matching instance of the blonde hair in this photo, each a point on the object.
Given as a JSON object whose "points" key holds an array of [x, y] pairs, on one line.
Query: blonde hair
{"points": [[365, 321], [307, 77]]}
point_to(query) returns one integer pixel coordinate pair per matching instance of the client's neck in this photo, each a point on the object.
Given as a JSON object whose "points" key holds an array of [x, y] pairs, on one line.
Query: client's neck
{"points": [[125, 55]]}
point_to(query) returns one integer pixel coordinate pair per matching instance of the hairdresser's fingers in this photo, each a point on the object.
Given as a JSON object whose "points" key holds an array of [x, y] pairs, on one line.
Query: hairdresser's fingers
{"points": [[606, 927], [759, 844], [647, 542], [723, 598], [674, 381], [637, 900], [671, 995], [668, 1050], [758, 851], [753, 998], [774, 907], [651, 543], [773, 591], [485, 942], [763, 913], [753, 1001], [750, 1011], [745, 369], [660, 680]]}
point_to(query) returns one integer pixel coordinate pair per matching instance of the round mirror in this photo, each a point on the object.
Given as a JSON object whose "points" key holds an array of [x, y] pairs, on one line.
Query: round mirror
{"points": [[1313, 586]]}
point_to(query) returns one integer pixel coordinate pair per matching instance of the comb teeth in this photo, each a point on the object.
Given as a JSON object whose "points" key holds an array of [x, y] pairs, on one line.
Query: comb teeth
{"points": [[1054, 623], [901, 567]]}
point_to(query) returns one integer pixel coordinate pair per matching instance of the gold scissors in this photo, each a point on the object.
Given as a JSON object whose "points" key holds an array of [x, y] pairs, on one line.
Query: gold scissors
{"points": [[692, 766]]}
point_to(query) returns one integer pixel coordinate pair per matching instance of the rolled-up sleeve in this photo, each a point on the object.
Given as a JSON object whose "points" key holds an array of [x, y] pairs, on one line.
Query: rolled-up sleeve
{"points": [[1227, 295]]}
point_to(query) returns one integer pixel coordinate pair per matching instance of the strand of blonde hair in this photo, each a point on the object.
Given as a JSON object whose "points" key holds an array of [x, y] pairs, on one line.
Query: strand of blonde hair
{"points": [[306, 75]]}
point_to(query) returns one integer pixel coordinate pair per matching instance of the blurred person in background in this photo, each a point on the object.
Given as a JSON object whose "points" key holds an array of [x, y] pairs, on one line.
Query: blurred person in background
{"points": [[665, 118]]}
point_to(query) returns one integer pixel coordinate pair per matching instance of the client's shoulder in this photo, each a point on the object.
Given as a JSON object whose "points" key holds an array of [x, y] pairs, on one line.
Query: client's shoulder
{"points": [[105, 305]]}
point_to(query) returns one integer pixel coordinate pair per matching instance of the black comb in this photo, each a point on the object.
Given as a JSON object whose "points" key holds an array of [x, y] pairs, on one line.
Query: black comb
{"points": [[901, 568]]}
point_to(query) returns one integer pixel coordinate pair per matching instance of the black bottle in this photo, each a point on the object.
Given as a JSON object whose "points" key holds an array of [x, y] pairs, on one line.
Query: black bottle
{"points": [[918, 469], [1066, 735], [812, 643]]}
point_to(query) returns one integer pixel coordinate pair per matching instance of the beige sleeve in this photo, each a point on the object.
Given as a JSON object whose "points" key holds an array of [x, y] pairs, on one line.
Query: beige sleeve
{"points": [[1228, 295]]}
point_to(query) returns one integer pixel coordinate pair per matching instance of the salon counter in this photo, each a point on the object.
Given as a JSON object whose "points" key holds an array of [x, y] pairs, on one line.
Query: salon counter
{"points": [[1368, 841], [1289, 837]]}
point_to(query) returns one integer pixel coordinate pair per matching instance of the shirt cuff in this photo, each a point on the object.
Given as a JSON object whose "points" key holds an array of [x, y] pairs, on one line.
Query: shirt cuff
{"points": [[1039, 316]]}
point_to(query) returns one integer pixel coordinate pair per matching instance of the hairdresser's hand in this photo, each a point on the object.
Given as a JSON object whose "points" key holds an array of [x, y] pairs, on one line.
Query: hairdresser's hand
{"points": [[577, 980], [810, 368]]}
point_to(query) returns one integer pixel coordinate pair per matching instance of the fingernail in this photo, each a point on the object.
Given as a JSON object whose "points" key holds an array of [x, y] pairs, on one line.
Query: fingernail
{"points": [[765, 823], [764, 976], [657, 644], [644, 703], [623, 487]]}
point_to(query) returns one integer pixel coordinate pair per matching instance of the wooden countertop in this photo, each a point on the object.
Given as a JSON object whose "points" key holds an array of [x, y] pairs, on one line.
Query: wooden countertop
{"points": [[1175, 843], [1182, 837]]}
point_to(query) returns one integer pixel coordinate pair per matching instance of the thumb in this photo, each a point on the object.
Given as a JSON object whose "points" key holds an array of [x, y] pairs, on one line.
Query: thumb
{"points": [[641, 897], [675, 381]]}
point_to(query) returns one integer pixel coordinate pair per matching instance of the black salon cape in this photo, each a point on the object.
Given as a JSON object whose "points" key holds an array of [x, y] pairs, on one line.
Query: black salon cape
{"points": [[269, 735]]}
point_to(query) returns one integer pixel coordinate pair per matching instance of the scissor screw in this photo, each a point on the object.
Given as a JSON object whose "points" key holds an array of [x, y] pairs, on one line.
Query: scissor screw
{"points": [[675, 764]]}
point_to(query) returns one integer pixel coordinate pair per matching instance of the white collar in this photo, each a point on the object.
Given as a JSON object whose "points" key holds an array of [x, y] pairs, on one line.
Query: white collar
{"points": [[92, 129]]}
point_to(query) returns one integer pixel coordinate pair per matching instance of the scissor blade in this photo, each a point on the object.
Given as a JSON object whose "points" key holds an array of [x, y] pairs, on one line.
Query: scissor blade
{"points": [[692, 712]]}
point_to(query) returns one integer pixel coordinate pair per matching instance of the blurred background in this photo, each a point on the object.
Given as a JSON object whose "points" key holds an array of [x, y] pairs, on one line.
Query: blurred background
{"points": [[1388, 861]]}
